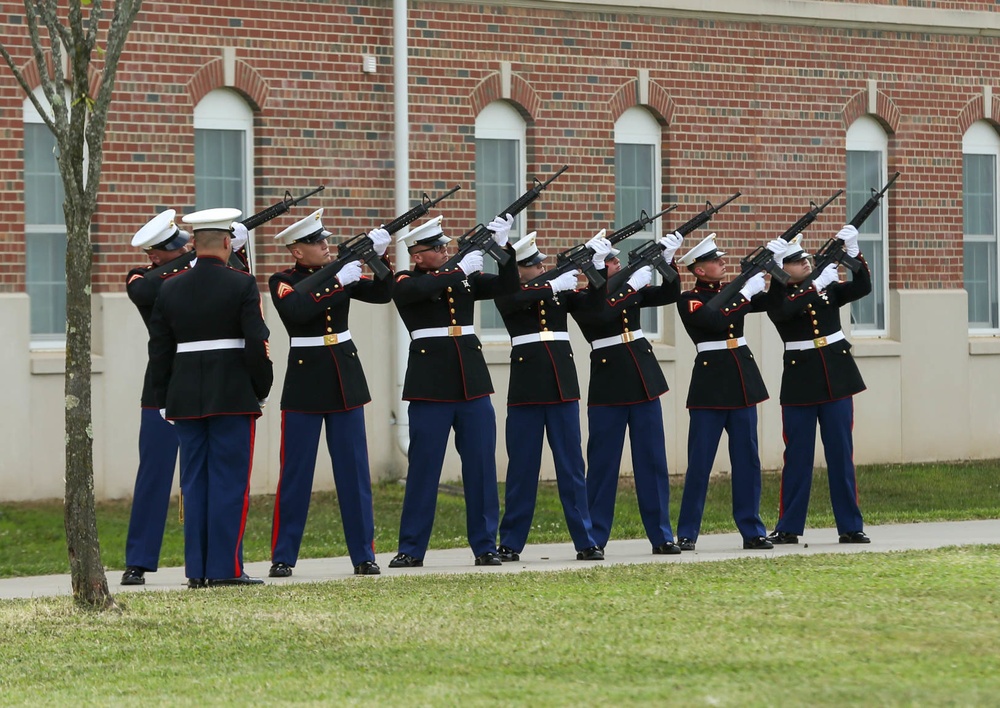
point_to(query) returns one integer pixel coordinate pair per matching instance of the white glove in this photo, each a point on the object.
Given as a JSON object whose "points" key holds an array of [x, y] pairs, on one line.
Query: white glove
{"points": [[350, 273], [262, 402], [500, 227], [670, 244], [829, 275], [601, 247], [566, 281], [849, 235], [641, 278], [471, 262], [753, 286], [163, 414], [380, 240], [777, 247], [240, 235]]}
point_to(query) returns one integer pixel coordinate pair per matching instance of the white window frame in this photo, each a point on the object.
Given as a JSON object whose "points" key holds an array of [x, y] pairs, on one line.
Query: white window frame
{"points": [[867, 135], [30, 114], [982, 139], [225, 109], [637, 126], [501, 121]]}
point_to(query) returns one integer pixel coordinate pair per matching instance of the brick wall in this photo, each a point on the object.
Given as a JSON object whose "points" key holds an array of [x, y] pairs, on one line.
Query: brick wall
{"points": [[760, 108]]}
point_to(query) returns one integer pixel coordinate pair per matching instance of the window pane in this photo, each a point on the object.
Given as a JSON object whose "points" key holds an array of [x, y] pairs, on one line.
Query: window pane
{"points": [[497, 186], [45, 237], [46, 283], [864, 173], [219, 168], [634, 181], [979, 228]]}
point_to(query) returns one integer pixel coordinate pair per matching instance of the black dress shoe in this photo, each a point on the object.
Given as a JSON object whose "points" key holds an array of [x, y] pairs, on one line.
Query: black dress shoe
{"points": [[195, 583], [242, 580], [404, 561], [757, 543], [854, 537], [685, 544], [280, 570], [780, 537], [667, 548], [508, 554], [594, 553], [133, 576], [367, 568], [489, 558]]}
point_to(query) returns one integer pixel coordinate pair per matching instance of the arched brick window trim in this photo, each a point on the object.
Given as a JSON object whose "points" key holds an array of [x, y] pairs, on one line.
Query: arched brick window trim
{"points": [[886, 112], [33, 76], [212, 76], [522, 97], [975, 110], [660, 105]]}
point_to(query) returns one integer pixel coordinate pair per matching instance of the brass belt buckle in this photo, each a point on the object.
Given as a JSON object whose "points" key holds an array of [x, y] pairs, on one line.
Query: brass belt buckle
{"points": [[455, 331], [819, 342], [329, 339], [546, 336], [732, 344], [628, 337]]}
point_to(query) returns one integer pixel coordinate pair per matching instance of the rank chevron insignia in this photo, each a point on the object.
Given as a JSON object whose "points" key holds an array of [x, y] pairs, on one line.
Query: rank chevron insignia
{"points": [[284, 289]]}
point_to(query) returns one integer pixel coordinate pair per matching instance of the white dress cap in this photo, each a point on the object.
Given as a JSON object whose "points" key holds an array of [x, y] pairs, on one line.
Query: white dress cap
{"points": [[706, 250], [161, 232], [428, 233], [795, 251], [218, 219], [526, 253], [307, 230]]}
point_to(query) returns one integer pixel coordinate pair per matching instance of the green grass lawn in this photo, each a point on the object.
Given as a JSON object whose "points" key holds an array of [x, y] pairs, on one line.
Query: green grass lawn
{"points": [[32, 540], [913, 628]]}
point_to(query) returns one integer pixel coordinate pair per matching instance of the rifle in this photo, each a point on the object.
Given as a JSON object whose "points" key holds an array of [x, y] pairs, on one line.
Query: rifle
{"points": [[277, 209], [645, 255], [581, 257], [480, 238], [761, 259], [833, 250], [360, 247]]}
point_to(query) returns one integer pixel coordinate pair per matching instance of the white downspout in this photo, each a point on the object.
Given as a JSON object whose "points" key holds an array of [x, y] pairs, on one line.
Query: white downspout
{"points": [[401, 96]]}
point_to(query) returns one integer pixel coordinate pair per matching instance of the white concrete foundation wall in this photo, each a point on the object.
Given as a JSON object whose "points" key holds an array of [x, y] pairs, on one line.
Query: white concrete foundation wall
{"points": [[933, 394]]}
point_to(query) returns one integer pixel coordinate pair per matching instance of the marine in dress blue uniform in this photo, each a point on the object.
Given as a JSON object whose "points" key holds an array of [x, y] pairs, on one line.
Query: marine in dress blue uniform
{"points": [[448, 387], [626, 383], [726, 387], [324, 385], [208, 352], [818, 384], [169, 252], [543, 400]]}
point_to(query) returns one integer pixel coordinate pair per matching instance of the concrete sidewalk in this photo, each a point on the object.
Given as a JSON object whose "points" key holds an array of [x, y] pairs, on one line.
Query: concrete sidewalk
{"points": [[558, 556]]}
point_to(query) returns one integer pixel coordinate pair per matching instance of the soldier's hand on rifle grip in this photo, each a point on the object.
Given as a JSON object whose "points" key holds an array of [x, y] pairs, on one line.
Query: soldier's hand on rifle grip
{"points": [[380, 240], [350, 273], [601, 247], [849, 235], [778, 247], [827, 277], [670, 244], [500, 226], [566, 281], [240, 235], [641, 278], [753, 286], [471, 262]]}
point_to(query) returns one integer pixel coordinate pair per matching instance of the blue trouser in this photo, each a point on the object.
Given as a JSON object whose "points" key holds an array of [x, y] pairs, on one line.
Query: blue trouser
{"points": [[348, 446], [649, 461], [475, 427], [151, 496], [216, 459], [836, 423], [704, 434], [526, 426]]}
